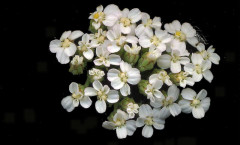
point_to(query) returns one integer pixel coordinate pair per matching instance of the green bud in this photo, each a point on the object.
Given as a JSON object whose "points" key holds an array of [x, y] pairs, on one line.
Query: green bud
{"points": [[142, 86], [130, 58], [77, 65], [95, 74], [145, 63], [124, 103]]}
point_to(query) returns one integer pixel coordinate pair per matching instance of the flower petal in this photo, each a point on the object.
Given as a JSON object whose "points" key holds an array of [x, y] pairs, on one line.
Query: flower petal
{"points": [[121, 132], [67, 103], [75, 34], [70, 51], [113, 96], [196, 59], [131, 127], [144, 41], [188, 94], [173, 92], [65, 35], [114, 59], [202, 94], [188, 30], [55, 45], [100, 106], [147, 131], [113, 74], [205, 103], [73, 88], [88, 54], [89, 91], [97, 85], [145, 110], [164, 113], [214, 58], [175, 67], [185, 106], [117, 84], [134, 15], [62, 57], [86, 102], [164, 61], [198, 112], [175, 109], [125, 90], [207, 74], [140, 122], [108, 125]]}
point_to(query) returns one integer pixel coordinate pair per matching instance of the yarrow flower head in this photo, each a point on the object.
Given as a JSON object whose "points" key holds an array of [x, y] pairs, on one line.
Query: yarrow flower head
{"points": [[136, 69]]}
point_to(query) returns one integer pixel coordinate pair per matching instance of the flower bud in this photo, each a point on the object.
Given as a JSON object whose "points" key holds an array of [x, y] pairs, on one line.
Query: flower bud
{"points": [[124, 103], [95, 74], [145, 62], [142, 86], [77, 65]]}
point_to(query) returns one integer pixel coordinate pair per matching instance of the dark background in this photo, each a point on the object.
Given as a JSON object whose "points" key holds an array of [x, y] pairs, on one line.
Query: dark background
{"points": [[32, 82]]}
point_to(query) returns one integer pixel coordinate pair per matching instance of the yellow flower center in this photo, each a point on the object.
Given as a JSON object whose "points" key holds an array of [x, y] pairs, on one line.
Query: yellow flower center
{"points": [[96, 16], [123, 77], [195, 102], [149, 22], [101, 39], [180, 35], [125, 21], [155, 40], [198, 69], [75, 96], [149, 121], [66, 43], [102, 95], [119, 122]]}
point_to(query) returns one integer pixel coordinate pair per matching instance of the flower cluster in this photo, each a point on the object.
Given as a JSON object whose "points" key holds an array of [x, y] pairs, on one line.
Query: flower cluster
{"points": [[142, 70]]}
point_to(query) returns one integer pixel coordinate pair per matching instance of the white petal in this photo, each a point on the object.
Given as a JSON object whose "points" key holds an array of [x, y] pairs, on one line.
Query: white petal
{"points": [[108, 125], [140, 122], [153, 78], [97, 85], [67, 103], [73, 88], [125, 90], [89, 91], [86, 102], [178, 45], [113, 96], [125, 67], [193, 41], [134, 15], [134, 76], [121, 132], [113, 74], [198, 112], [131, 127], [114, 59], [188, 30], [188, 94], [157, 103], [65, 35], [200, 47], [157, 84], [145, 110], [110, 20], [117, 84], [62, 57], [196, 59], [147, 131], [70, 51], [112, 9], [158, 126], [113, 48], [100, 106], [173, 92], [175, 67], [125, 30], [202, 94], [111, 35], [175, 109], [75, 34], [131, 39], [206, 64], [173, 27], [215, 58], [158, 94], [184, 60], [189, 67], [75, 102], [164, 113], [144, 41], [88, 54], [205, 103], [55, 45], [185, 106], [140, 30], [207, 74], [197, 77], [164, 61]]}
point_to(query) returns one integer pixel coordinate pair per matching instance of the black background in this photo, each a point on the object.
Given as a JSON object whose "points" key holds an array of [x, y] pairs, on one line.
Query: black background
{"points": [[32, 82]]}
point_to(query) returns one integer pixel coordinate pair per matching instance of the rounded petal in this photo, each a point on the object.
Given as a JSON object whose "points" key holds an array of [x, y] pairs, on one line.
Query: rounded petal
{"points": [[89, 91], [97, 85], [207, 74], [173, 27], [175, 109], [196, 59], [113, 74], [134, 76], [75, 34], [144, 41], [140, 30], [125, 67], [62, 57], [158, 94], [125, 30], [113, 48], [65, 35], [67, 103], [117, 84], [198, 112], [110, 20], [192, 41], [121, 132], [188, 30], [164, 113], [200, 47], [175, 67], [108, 125], [100, 106], [164, 61], [131, 39], [134, 15], [70, 51], [147, 131], [184, 60], [73, 88], [202, 94], [178, 45], [55, 46], [157, 103], [214, 58], [157, 84], [114, 59], [125, 90], [140, 122], [185, 106], [131, 127], [113, 96], [189, 67], [197, 77], [88, 54], [86, 102], [205, 103], [145, 110], [188, 94], [173, 92], [158, 126]]}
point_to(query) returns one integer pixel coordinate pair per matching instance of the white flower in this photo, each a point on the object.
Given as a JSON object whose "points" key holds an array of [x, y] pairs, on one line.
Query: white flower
{"points": [[199, 68], [120, 79], [198, 104], [98, 38], [172, 61], [158, 40], [77, 60], [132, 50], [103, 94], [128, 19], [65, 47], [122, 125], [116, 39], [70, 102], [97, 74], [132, 109], [85, 47], [168, 103], [147, 24], [108, 16], [163, 76], [208, 54], [149, 118], [182, 33], [154, 53], [104, 57], [152, 90], [184, 79]]}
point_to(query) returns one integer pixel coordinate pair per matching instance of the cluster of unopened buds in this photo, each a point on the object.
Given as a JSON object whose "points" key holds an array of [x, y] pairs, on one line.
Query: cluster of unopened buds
{"points": [[138, 68]]}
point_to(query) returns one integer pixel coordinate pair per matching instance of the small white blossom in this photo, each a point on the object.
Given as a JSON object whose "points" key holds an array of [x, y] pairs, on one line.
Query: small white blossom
{"points": [[103, 94], [98, 38], [65, 47], [86, 47], [70, 102], [149, 117], [163, 76], [132, 50], [152, 90], [97, 74], [181, 33], [132, 109], [185, 79], [168, 103], [199, 68], [120, 79], [104, 57], [122, 125], [147, 24], [158, 40], [198, 104], [173, 61], [208, 54], [77, 60]]}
